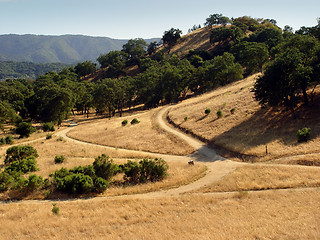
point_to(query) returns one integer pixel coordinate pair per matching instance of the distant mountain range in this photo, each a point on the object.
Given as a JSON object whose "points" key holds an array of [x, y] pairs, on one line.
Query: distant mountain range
{"points": [[68, 49]]}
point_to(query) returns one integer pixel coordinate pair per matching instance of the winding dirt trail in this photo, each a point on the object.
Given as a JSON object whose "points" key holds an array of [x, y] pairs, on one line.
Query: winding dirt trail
{"points": [[217, 166]]}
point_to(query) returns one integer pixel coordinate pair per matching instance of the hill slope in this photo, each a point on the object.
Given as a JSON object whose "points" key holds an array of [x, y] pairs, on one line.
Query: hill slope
{"points": [[54, 49]]}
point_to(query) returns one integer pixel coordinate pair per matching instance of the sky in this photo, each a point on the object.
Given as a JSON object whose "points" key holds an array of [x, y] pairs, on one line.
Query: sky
{"points": [[127, 19]]}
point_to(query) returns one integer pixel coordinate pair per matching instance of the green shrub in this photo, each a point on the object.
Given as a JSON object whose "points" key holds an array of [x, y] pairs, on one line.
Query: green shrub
{"points": [[134, 121], [5, 180], [153, 170], [185, 118], [219, 114], [146, 170], [207, 111], [34, 182], [19, 183], [55, 209], [124, 122], [86, 170], [2, 141], [26, 165], [100, 185], [75, 183], [24, 129], [49, 136], [131, 172], [9, 139], [20, 152], [48, 126], [233, 110], [59, 159], [304, 134], [104, 167]]}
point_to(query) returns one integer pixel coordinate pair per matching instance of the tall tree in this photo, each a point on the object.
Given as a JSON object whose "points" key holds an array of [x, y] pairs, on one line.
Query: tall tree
{"points": [[135, 49], [171, 37]]}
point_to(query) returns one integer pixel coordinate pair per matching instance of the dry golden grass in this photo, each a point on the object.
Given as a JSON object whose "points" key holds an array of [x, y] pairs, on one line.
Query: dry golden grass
{"points": [[250, 128], [267, 215], [145, 136], [259, 177]]}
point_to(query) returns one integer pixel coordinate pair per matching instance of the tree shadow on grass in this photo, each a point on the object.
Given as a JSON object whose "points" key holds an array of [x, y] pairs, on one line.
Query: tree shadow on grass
{"points": [[268, 125]]}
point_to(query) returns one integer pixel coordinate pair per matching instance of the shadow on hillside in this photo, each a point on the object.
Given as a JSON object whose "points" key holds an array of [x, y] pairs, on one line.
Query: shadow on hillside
{"points": [[268, 125]]}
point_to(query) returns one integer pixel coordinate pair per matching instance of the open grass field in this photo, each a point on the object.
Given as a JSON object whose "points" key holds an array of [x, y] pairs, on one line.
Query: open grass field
{"points": [[144, 136], [250, 129], [268, 215]]}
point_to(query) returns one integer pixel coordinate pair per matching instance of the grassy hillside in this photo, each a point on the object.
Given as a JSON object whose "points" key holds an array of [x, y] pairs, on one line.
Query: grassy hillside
{"points": [[52, 49]]}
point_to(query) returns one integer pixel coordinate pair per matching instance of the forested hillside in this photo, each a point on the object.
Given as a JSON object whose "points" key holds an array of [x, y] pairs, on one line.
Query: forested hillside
{"points": [[55, 49], [28, 70]]}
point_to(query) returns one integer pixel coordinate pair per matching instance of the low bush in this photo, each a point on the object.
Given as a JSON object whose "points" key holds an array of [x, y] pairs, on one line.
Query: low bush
{"points": [[233, 110], [24, 129], [134, 121], [25, 165], [48, 126], [75, 183], [20, 152], [59, 159], [147, 170], [104, 167], [100, 185], [207, 111], [5, 180], [219, 114], [7, 140], [185, 118], [304, 134], [33, 182], [124, 122], [49, 136], [55, 209]]}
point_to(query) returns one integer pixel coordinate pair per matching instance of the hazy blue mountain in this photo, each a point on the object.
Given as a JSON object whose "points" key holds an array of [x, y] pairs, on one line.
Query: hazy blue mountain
{"points": [[56, 49]]}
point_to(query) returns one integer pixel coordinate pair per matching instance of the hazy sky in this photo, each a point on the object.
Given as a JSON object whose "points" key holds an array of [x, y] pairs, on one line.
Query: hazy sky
{"points": [[127, 19]]}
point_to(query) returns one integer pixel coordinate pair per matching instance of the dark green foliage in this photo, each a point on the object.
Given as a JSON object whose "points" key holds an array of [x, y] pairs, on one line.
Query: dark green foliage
{"points": [[146, 170], [86, 170], [48, 126], [59, 159], [9, 139], [207, 111], [5, 180], [75, 183], [304, 134], [131, 172], [25, 165], [100, 185], [219, 114], [134, 121], [24, 129], [124, 122], [85, 68], [233, 110], [104, 167], [17, 153], [223, 35], [49, 136], [217, 19], [33, 182], [170, 37], [55, 209]]}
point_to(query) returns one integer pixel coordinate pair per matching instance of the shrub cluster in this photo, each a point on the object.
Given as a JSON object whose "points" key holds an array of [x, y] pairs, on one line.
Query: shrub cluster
{"points": [[144, 171], [219, 114], [59, 159], [20, 160], [134, 121], [24, 129], [124, 122], [91, 178], [6, 140], [48, 126], [304, 134], [207, 111]]}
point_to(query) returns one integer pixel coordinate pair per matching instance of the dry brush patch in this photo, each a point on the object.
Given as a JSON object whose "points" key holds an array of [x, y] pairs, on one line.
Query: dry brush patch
{"points": [[260, 177], [145, 136], [269, 215], [249, 129]]}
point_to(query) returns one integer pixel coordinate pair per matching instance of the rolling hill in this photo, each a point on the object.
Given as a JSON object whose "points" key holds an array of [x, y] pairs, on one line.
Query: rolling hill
{"points": [[56, 49]]}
